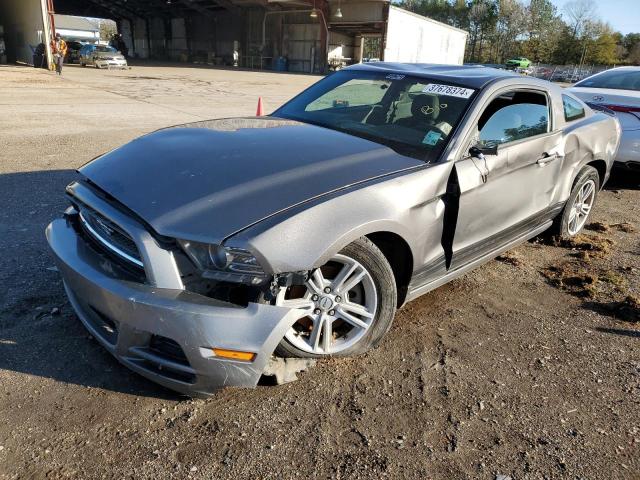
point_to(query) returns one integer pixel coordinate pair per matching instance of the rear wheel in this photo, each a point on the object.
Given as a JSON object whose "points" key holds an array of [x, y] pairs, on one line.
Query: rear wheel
{"points": [[347, 305], [576, 212]]}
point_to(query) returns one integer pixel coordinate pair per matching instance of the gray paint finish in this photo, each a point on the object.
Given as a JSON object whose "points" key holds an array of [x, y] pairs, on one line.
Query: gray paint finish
{"points": [[294, 195], [208, 180]]}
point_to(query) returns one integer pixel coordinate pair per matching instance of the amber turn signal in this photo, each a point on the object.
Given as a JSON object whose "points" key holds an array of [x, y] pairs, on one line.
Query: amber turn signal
{"points": [[234, 354]]}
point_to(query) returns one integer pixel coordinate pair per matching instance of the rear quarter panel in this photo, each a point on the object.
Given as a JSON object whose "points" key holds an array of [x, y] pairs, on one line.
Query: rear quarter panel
{"points": [[595, 137]]}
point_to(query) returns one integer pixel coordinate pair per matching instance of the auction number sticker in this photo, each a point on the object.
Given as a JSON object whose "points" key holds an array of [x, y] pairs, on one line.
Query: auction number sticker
{"points": [[448, 90]]}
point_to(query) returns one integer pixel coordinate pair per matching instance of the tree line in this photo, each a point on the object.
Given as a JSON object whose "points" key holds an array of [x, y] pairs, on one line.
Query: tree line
{"points": [[503, 29]]}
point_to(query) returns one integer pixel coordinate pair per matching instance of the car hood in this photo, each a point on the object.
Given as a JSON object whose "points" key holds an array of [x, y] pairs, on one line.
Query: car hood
{"points": [[206, 181], [108, 55]]}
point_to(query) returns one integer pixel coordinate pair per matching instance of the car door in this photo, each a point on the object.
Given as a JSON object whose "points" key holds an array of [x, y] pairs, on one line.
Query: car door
{"points": [[506, 193]]}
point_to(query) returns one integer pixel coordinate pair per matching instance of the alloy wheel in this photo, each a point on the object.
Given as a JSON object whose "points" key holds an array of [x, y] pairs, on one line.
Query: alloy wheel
{"points": [[581, 207], [338, 306]]}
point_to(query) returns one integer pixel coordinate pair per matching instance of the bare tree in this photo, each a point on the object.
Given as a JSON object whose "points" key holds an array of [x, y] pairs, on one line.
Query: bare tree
{"points": [[579, 12]]}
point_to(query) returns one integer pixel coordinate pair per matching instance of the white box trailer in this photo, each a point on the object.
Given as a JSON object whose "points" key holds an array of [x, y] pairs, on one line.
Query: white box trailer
{"points": [[413, 38]]}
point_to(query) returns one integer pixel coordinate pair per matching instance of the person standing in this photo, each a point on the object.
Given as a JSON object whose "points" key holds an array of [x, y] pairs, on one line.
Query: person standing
{"points": [[59, 50]]}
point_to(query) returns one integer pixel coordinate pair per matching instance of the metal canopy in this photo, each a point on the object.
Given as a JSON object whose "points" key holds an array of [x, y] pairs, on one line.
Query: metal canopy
{"points": [[117, 9]]}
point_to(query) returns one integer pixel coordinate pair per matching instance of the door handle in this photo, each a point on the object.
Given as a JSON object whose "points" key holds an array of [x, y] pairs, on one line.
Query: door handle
{"points": [[547, 158]]}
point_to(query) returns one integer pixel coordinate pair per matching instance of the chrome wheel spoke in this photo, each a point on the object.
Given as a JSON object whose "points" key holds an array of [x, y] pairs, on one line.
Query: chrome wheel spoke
{"points": [[356, 277], [585, 209], [327, 334], [346, 271], [314, 338], [356, 322], [316, 281], [355, 309]]}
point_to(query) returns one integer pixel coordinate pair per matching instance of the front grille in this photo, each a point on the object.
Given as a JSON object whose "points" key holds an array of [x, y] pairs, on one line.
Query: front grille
{"points": [[110, 237]]}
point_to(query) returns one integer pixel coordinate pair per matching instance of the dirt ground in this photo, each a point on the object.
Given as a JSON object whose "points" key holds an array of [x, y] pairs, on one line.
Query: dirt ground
{"points": [[528, 367]]}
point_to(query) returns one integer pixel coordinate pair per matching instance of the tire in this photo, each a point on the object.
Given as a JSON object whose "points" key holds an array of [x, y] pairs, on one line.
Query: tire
{"points": [[83, 65], [346, 338], [564, 226]]}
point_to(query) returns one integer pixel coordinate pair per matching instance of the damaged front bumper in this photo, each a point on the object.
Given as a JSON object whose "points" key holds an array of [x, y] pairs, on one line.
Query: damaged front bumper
{"points": [[100, 63], [166, 335]]}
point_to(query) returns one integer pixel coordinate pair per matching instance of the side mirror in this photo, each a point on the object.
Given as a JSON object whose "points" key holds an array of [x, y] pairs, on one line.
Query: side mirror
{"points": [[479, 151]]}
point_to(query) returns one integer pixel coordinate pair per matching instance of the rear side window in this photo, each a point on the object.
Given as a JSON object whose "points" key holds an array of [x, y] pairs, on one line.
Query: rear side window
{"points": [[573, 109], [514, 116]]}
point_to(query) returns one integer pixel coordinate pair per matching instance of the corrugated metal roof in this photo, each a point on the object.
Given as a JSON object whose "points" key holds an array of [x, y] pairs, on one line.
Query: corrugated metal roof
{"points": [[69, 22]]}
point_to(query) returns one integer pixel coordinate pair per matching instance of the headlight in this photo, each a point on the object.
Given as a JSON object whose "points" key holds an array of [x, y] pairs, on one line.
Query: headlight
{"points": [[226, 264]]}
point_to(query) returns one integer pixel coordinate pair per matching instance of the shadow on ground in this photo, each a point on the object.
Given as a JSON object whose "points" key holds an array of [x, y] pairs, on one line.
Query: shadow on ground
{"points": [[623, 180], [620, 331], [39, 333]]}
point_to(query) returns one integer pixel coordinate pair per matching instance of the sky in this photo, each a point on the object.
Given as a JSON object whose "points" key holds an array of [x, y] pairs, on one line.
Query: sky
{"points": [[623, 15]]}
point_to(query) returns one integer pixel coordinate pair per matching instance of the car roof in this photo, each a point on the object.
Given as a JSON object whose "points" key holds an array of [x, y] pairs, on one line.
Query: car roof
{"points": [[628, 67], [472, 76]]}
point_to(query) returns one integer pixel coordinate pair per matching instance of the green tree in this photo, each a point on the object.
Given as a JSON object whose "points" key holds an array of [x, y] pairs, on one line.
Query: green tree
{"points": [[510, 22], [483, 15], [542, 30], [601, 48], [107, 29], [459, 14]]}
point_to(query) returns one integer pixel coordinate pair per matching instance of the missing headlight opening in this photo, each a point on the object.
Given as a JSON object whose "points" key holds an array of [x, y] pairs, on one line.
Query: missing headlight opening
{"points": [[238, 289]]}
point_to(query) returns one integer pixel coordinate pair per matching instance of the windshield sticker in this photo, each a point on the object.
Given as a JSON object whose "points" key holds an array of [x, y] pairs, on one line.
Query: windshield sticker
{"points": [[431, 138], [448, 90], [394, 76]]}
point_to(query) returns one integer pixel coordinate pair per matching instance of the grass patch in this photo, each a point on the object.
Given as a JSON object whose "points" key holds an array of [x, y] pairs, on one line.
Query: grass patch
{"points": [[594, 245], [573, 279]]}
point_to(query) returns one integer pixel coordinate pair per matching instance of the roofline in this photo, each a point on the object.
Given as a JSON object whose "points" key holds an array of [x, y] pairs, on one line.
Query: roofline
{"points": [[422, 17], [77, 29], [455, 74]]}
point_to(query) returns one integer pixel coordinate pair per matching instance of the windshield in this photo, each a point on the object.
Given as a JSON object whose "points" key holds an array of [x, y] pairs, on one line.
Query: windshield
{"points": [[415, 116], [105, 48], [616, 79]]}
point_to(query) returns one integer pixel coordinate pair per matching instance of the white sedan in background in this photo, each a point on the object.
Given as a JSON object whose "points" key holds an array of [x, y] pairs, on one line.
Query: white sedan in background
{"points": [[102, 56], [618, 89]]}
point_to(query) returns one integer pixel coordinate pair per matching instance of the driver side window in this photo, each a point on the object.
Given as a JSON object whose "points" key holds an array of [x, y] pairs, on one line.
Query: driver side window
{"points": [[514, 116]]}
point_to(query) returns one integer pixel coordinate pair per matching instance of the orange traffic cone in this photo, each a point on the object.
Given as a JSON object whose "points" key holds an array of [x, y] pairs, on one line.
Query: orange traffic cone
{"points": [[260, 111]]}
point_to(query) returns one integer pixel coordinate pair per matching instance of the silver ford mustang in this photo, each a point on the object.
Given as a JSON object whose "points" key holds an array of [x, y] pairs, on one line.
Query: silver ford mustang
{"points": [[201, 254]]}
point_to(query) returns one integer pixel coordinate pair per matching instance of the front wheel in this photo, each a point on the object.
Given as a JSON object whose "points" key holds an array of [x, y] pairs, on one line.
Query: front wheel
{"points": [[347, 305], [576, 212]]}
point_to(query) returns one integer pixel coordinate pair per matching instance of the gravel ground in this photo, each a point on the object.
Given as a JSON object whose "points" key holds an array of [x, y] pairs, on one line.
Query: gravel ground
{"points": [[528, 367]]}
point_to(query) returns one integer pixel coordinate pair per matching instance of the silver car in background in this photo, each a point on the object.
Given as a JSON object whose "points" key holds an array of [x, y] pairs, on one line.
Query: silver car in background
{"points": [[102, 56], [618, 90], [203, 254]]}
